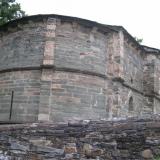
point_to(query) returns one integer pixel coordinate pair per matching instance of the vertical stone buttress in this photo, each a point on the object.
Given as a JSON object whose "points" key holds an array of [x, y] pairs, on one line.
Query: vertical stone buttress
{"points": [[157, 85], [151, 80], [148, 83], [47, 70], [115, 71]]}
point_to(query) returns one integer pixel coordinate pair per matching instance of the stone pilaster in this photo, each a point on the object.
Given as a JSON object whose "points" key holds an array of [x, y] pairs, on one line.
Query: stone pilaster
{"points": [[50, 42], [46, 77], [115, 51]]}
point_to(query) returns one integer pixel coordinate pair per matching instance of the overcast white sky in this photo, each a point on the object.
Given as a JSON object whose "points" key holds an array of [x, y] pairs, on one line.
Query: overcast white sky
{"points": [[141, 18]]}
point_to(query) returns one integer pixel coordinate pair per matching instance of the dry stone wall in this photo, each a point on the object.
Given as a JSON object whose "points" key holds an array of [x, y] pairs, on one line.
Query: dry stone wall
{"points": [[131, 139]]}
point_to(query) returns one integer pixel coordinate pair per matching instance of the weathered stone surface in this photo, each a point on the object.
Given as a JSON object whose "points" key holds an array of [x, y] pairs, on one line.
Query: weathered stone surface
{"points": [[40, 142], [131, 139], [64, 68], [147, 154], [70, 148]]}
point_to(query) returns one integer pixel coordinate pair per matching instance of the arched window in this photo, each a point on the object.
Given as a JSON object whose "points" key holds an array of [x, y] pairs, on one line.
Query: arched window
{"points": [[131, 107]]}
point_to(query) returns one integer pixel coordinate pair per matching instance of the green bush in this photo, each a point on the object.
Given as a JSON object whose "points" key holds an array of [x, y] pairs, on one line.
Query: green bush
{"points": [[157, 158]]}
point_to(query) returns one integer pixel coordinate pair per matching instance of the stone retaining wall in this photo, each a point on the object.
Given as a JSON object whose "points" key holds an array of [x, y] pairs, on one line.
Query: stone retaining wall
{"points": [[132, 139]]}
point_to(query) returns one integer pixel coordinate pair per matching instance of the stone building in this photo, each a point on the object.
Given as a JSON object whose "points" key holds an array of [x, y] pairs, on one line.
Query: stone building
{"points": [[59, 68]]}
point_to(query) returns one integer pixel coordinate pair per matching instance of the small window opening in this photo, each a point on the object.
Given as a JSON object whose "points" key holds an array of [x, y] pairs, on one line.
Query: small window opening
{"points": [[131, 107]]}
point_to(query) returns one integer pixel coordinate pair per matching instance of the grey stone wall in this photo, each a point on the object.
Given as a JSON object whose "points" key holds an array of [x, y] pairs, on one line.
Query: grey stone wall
{"points": [[125, 70], [22, 47], [157, 77], [60, 69], [26, 87], [119, 101], [151, 83], [133, 67], [156, 105], [80, 47], [77, 96]]}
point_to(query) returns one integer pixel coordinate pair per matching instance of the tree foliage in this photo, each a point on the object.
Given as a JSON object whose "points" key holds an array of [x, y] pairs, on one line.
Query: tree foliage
{"points": [[139, 40], [10, 10]]}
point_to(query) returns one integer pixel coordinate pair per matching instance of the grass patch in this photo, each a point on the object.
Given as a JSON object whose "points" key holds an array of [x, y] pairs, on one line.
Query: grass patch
{"points": [[157, 158]]}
